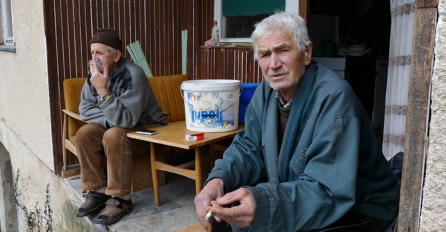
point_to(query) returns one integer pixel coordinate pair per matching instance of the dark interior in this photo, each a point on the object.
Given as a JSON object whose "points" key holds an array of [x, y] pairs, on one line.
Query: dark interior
{"points": [[362, 22]]}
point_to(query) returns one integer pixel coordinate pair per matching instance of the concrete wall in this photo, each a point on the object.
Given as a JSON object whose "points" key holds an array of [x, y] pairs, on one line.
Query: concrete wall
{"points": [[433, 215], [24, 91], [41, 199]]}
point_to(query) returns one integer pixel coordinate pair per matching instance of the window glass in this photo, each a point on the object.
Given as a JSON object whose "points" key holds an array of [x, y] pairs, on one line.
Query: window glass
{"points": [[236, 18], [241, 26], [251, 7], [7, 31]]}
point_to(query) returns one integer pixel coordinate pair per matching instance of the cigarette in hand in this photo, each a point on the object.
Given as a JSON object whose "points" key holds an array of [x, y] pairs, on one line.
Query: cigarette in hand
{"points": [[209, 214]]}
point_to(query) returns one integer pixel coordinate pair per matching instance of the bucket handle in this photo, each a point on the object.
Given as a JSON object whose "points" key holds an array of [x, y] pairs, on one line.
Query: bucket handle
{"points": [[221, 111]]}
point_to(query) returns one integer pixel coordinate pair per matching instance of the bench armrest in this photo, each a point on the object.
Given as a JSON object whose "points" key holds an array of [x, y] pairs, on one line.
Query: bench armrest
{"points": [[74, 115]]}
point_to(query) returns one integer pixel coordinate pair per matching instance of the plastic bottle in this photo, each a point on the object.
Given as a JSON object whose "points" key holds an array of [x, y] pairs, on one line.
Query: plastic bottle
{"points": [[215, 35]]}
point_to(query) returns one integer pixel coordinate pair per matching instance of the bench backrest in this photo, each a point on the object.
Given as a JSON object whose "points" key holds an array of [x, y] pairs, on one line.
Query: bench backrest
{"points": [[168, 94], [72, 94]]}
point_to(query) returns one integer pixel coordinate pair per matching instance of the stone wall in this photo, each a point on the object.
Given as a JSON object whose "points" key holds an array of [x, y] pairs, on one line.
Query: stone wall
{"points": [[433, 215]]}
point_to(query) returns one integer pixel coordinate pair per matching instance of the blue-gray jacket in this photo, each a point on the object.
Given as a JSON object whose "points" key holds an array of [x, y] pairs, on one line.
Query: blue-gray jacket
{"points": [[132, 101], [329, 160]]}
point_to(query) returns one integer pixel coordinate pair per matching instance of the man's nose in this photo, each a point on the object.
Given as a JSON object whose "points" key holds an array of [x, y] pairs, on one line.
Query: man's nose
{"points": [[275, 61]]}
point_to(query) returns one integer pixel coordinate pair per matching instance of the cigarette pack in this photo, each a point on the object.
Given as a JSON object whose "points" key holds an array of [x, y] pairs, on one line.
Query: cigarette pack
{"points": [[195, 136]]}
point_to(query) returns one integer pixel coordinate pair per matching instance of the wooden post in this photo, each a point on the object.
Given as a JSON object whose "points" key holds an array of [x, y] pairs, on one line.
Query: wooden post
{"points": [[416, 143], [304, 9]]}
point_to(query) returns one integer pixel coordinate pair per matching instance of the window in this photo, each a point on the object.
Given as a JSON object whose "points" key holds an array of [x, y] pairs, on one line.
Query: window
{"points": [[237, 26], [7, 31]]}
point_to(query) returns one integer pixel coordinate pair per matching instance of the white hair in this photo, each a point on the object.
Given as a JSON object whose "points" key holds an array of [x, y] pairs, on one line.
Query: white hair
{"points": [[111, 50], [281, 22]]}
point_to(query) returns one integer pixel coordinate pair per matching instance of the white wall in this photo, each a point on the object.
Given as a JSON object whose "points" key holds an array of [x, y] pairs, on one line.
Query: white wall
{"points": [[25, 129], [24, 91], [433, 214]]}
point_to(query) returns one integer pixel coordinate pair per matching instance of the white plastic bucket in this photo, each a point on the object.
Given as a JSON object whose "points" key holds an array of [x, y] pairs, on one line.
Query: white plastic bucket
{"points": [[211, 105]]}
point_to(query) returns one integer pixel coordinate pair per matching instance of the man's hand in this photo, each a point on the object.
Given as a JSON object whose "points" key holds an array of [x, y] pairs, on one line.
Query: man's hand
{"points": [[241, 215], [99, 80], [213, 190]]}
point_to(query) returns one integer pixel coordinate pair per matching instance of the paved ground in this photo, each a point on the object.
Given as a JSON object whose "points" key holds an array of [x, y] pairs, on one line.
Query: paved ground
{"points": [[176, 211]]}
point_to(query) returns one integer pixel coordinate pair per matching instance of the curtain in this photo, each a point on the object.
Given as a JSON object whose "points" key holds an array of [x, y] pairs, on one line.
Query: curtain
{"points": [[403, 16], [251, 7]]}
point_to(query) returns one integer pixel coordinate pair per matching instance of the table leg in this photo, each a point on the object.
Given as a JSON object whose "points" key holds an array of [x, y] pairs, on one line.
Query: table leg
{"points": [[198, 178], [154, 174]]}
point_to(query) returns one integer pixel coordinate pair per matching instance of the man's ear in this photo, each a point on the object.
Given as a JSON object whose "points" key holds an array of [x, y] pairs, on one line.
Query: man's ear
{"points": [[117, 56], [308, 52]]}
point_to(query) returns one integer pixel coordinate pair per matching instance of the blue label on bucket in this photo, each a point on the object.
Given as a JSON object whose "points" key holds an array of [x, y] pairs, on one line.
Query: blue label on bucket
{"points": [[207, 110]]}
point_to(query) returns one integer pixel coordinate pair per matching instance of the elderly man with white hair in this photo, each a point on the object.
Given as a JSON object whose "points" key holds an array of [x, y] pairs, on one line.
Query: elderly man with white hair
{"points": [[308, 158]]}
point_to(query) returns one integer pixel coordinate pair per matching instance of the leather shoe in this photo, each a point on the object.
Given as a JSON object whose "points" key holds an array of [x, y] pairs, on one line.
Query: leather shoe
{"points": [[94, 201], [114, 210]]}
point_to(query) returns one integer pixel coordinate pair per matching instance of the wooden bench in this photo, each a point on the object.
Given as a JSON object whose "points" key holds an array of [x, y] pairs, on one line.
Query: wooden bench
{"points": [[168, 95]]}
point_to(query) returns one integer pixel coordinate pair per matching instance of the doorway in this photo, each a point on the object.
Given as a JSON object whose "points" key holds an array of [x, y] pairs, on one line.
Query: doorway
{"points": [[352, 24], [8, 212]]}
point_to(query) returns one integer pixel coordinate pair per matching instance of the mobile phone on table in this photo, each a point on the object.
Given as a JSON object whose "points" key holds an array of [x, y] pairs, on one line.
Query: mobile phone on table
{"points": [[146, 132]]}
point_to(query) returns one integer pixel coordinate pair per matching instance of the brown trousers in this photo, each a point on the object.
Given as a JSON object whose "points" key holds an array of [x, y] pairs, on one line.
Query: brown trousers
{"points": [[95, 143]]}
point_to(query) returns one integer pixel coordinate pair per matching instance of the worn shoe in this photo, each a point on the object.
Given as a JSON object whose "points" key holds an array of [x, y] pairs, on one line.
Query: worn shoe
{"points": [[94, 201], [115, 209]]}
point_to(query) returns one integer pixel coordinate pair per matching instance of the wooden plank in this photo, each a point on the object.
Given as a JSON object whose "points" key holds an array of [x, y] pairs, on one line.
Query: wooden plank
{"points": [[88, 22], [93, 17], [235, 63], [178, 27], [56, 116], [106, 13], [149, 30], [77, 41], [168, 46], [304, 9], [417, 116], [71, 170], [136, 16], [173, 169], [426, 3], [115, 12], [251, 66], [197, 71], [71, 33], [220, 55], [121, 27], [188, 23], [126, 14], [143, 28]]}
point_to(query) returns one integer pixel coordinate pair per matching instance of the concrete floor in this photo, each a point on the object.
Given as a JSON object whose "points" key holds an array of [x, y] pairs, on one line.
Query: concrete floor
{"points": [[176, 211]]}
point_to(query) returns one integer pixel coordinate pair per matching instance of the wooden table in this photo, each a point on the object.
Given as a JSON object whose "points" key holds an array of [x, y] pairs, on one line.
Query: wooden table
{"points": [[173, 134]]}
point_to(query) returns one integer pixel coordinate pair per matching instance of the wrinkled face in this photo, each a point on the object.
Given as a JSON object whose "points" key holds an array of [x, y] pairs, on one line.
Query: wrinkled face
{"points": [[282, 64], [100, 53]]}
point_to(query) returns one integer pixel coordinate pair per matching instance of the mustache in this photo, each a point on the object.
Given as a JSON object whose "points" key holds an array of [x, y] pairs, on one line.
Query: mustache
{"points": [[277, 72]]}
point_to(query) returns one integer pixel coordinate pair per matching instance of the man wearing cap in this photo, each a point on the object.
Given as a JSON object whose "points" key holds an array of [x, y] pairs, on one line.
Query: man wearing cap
{"points": [[116, 97]]}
